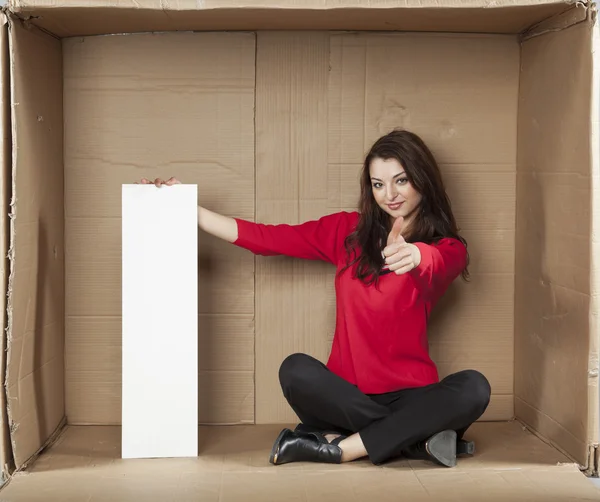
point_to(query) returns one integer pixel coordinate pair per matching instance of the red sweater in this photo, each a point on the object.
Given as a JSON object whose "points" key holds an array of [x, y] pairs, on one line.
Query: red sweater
{"points": [[380, 341]]}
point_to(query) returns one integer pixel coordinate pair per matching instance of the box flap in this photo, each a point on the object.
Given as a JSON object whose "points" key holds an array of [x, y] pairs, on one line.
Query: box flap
{"points": [[5, 197], [556, 338], [35, 364], [81, 17]]}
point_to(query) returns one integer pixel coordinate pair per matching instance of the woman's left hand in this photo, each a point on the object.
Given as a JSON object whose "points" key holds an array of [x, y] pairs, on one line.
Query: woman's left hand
{"points": [[400, 256]]}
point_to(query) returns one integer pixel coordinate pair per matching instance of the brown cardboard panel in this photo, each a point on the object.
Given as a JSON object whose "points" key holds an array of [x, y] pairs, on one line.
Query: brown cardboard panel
{"points": [[561, 436], [36, 302], [5, 196], [510, 464], [438, 86], [226, 397], [472, 328], [546, 373], [501, 408], [552, 289], [36, 400], [566, 263], [483, 200], [229, 344], [103, 17], [93, 186], [156, 106], [93, 384], [190, 118], [291, 155]]}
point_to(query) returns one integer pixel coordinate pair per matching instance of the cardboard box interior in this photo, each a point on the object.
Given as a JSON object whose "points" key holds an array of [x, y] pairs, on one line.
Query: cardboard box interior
{"points": [[273, 125]]}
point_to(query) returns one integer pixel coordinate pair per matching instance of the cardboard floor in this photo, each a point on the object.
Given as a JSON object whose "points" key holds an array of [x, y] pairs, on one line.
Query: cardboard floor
{"points": [[84, 465]]}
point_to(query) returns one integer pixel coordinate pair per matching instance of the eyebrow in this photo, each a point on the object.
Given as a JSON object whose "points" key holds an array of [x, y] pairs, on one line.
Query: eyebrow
{"points": [[399, 174]]}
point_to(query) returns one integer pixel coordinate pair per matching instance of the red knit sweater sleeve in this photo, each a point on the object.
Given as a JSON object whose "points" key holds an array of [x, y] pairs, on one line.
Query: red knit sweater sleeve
{"points": [[441, 263], [321, 239]]}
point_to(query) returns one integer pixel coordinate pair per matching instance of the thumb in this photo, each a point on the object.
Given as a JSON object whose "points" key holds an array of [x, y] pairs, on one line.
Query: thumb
{"points": [[395, 234]]}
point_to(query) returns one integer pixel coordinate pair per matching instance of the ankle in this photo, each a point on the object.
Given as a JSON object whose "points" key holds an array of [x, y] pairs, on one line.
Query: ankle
{"points": [[352, 448]]}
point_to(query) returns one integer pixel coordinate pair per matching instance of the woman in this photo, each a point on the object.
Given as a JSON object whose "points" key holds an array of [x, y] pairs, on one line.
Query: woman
{"points": [[379, 394]]}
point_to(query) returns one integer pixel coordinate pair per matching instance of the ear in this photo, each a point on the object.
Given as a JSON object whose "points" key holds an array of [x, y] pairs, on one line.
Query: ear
{"points": [[395, 234]]}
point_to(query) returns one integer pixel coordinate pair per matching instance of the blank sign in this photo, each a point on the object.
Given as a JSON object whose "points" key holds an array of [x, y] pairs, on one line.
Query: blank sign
{"points": [[160, 321]]}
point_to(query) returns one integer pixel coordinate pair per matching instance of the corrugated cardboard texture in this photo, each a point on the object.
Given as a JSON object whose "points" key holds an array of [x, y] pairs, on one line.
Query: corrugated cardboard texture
{"points": [[80, 17], [5, 196], [448, 97], [35, 372], [552, 336], [294, 309], [157, 106], [85, 465]]}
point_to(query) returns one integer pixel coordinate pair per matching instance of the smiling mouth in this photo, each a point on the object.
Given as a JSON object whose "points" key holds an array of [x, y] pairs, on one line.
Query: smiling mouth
{"points": [[395, 206]]}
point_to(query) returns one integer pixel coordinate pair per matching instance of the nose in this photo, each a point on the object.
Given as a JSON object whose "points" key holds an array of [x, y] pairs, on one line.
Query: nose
{"points": [[390, 192]]}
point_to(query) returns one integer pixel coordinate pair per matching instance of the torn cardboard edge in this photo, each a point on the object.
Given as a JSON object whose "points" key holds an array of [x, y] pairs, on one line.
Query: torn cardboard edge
{"points": [[580, 12], [54, 437], [6, 452], [594, 348], [10, 83]]}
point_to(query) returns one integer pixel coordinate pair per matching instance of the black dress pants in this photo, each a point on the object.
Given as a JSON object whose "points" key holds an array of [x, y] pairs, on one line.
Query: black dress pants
{"points": [[387, 423]]}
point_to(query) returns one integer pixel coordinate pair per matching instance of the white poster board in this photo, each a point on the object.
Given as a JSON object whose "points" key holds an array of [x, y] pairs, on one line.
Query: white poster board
{"points": [[160, 321]]}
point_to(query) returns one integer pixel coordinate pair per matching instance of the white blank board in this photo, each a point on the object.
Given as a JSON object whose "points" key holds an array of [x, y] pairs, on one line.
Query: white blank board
{"points": [[160, 321]]}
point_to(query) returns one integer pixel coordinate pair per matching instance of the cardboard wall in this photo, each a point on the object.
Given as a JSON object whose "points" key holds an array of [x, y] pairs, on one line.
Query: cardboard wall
{"points": [[157, 105], [183, 104], [35, 360], [294, 300], [95, 17], [5, 190], [553, 337], [448, 96]]}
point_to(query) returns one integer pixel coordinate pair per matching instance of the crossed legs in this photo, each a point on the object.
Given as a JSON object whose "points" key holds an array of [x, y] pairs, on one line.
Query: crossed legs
{"points": [[381, 426]]}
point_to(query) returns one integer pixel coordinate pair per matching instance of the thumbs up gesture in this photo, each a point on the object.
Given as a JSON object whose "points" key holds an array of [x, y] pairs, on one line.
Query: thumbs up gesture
{"points": [[400, 256]]}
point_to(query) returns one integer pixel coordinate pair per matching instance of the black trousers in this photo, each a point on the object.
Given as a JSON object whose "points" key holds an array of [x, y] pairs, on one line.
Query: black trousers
{"points": [[387, 423]]}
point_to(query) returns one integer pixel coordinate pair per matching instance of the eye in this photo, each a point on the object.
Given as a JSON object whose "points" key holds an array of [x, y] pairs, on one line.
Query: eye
{"points": [[377, 185], [402, 181]]}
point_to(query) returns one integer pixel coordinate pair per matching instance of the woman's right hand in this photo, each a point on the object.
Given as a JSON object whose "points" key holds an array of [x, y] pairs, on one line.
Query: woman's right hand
{"points": [[159, 182], [218, 225]]}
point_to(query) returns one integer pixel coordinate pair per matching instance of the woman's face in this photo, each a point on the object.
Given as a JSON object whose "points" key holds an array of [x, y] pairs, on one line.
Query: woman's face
{"points": [[392, 190]]}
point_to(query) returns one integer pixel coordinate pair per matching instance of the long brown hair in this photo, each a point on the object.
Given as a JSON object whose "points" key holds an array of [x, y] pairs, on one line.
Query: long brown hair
{"points": [[433, 220]]}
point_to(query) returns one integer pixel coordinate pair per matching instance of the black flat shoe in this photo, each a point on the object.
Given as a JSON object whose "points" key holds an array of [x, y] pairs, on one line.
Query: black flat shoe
{"points": [[440, 448], [301, 447]]}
